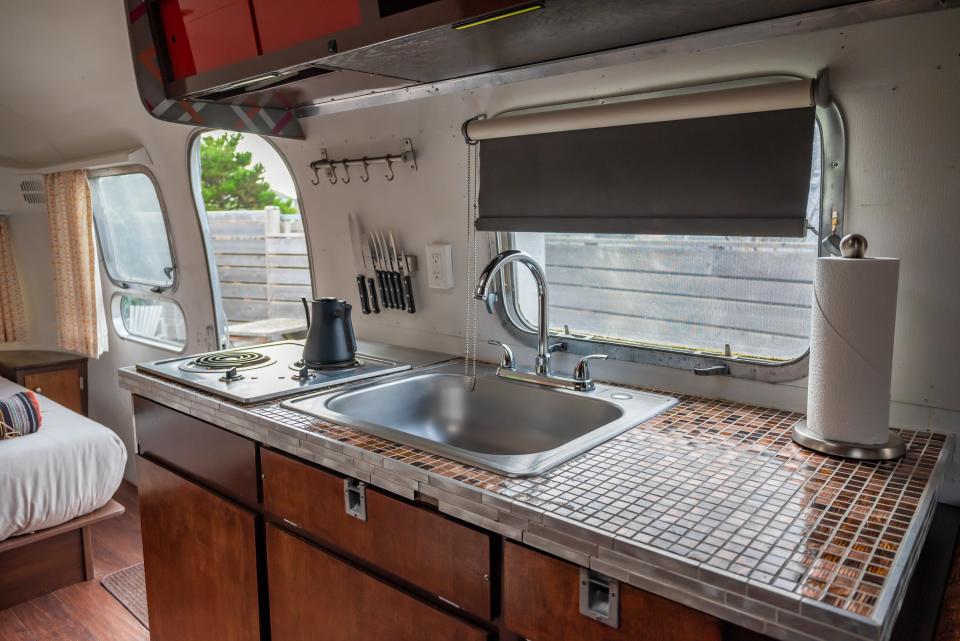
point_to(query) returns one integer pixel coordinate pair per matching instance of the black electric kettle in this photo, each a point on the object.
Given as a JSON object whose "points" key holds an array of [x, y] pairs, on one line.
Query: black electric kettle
{"points": [[330, 342]]}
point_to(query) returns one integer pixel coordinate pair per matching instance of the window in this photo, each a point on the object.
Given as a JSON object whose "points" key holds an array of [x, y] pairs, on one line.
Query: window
{"points": [[154, 321], [131, 228], [255, 236], [740, 297]]}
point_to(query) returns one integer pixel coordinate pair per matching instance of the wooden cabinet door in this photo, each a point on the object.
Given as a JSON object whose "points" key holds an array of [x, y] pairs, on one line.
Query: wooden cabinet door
{"points": [[541, 602], [314, 596], [284, 23], [62, 386], [417, 545], [202, 35], [200, 561]]}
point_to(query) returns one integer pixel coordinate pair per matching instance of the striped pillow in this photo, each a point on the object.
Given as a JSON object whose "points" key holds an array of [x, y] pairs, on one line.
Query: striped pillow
{"points": [[19, 415]]}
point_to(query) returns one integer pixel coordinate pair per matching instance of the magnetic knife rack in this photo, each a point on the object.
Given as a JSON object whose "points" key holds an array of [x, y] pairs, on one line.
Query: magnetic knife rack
{"points": [[408, 158]]}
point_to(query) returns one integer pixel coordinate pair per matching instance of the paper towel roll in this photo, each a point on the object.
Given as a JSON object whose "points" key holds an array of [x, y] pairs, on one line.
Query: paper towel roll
{"points": [[851, 349]]}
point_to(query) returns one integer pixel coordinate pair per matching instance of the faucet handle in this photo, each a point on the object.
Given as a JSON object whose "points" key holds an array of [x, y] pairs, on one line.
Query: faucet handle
{"points": [[581, 373], [506, 359]]}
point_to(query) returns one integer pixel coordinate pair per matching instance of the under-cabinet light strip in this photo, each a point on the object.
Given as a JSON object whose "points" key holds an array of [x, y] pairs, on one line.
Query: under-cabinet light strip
{"points": [[498, 16]]}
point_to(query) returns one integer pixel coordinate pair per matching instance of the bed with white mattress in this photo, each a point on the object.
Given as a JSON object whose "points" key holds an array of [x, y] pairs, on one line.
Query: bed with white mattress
{"points": [[70, 468]]}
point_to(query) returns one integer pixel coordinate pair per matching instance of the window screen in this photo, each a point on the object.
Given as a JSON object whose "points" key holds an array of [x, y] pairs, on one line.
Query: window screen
{"points": [[131, 229], [750, 296], [153, 321]]}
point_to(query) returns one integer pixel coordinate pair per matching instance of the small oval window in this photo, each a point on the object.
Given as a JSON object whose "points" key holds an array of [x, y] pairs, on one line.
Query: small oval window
{"points": [[154, 321]]}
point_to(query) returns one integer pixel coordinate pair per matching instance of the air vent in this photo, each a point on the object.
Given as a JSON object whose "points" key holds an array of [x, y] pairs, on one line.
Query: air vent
{"points": [[32, 191]]}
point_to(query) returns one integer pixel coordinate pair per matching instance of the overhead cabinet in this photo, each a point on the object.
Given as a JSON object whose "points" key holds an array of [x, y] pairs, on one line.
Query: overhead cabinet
{"points": [[204, 35], [284, 23]]}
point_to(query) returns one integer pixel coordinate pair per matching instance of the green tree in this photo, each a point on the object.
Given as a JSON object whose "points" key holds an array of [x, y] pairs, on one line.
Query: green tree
{"points": [[228, 180]]}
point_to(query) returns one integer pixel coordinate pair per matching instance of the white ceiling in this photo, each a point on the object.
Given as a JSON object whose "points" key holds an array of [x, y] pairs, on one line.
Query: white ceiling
{"points": [[66, 81]]}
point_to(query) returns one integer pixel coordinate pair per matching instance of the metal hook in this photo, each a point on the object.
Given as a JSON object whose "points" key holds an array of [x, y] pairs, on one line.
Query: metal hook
{"points": [[316, 175], [389, 160], [346, 173], [366, 174], [332, 174]]}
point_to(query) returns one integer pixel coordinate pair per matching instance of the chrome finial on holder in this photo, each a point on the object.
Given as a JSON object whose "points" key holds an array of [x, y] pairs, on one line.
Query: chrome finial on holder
{"points": [[853, 246]]}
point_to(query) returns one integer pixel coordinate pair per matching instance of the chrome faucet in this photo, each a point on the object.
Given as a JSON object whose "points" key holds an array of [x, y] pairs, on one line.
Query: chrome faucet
{"points": [[541, 373]]}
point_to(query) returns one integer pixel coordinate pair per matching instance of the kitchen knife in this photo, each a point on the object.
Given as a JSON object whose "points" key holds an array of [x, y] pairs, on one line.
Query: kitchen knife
{"points": [[371, 283], [355, 235], [385, 266], [378, 268], [392, 274], [406, 283], [394, 269], [382, 278]]}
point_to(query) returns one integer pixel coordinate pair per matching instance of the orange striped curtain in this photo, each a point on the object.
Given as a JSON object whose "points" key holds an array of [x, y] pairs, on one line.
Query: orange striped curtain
{"points": [[13, 326], [76, 282]]}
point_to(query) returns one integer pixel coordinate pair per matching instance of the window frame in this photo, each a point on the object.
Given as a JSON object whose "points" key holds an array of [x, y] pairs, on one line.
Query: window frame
{"points": [[123, 170], [195, 171], [120, 328], [833, 180]]}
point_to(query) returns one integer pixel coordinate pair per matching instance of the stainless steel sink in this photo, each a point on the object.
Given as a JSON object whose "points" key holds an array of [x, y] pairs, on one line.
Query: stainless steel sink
{"points": [[512, 428]]}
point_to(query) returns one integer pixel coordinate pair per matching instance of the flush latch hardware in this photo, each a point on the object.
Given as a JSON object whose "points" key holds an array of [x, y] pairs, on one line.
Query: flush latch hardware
{"points": [[600, 598], [355, 498]]}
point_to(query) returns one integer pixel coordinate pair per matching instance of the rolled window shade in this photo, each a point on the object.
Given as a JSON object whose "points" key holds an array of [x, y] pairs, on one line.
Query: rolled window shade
{"points": [[734, 162]]}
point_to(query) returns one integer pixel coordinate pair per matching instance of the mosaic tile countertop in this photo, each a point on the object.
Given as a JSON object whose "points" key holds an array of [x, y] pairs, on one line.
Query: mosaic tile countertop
{"points": [[709, 504]]}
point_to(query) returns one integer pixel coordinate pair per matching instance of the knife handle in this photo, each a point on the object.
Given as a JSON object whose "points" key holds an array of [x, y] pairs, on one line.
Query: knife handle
{"points": [[364, 299], [408, 294], [388, 283], [398, 289], [383, 289], [372, 292]]}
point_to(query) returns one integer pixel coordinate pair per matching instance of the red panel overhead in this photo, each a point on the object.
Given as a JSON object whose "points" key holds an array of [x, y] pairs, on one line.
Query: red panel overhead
{"points": [[284, 23], [202, 35]]}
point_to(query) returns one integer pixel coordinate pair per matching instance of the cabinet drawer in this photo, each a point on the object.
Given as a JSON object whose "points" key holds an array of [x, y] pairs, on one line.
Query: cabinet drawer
{"points": [[311, 591], [214, 457], [541, 602], [411, 543], [63, 386]]}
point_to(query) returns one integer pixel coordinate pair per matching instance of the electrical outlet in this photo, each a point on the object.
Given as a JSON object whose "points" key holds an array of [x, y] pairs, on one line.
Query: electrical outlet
{"points": [[440, 266]]}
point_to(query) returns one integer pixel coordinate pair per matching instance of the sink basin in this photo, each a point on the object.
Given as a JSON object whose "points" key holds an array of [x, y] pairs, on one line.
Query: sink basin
{"points": [[511, 428]]}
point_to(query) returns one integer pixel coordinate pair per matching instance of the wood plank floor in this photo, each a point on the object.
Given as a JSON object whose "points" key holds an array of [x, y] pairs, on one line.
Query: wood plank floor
{"points": [[86, 611]]}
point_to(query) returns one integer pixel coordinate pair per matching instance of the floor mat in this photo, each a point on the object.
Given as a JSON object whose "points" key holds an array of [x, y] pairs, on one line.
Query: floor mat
{"points": [[129, 588]]}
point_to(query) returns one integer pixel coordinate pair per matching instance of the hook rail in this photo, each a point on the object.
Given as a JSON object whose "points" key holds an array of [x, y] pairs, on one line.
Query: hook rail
{"points": [[408, 158]]}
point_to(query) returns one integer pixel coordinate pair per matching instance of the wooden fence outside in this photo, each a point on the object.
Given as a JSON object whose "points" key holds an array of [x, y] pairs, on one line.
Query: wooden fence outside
{"points": [[263, 271]]}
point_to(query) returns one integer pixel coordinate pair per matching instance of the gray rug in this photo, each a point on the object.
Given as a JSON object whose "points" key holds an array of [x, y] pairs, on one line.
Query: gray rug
{"points": [[129, 588]]}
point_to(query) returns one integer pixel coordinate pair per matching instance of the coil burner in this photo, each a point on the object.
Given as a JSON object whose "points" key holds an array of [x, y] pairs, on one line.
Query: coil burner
{"points": [[225, 361]]}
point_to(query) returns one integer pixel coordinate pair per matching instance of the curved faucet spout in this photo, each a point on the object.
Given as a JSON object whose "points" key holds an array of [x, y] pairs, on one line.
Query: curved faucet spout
{"points": [[482, 290]]}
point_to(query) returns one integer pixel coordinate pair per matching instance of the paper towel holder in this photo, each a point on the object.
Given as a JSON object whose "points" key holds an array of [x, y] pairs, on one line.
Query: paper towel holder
{"points": [[894, 447], [852, 247]]}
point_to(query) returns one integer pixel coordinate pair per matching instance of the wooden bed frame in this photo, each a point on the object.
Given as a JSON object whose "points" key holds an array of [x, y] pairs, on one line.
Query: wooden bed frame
{"points": [[35, 564]]}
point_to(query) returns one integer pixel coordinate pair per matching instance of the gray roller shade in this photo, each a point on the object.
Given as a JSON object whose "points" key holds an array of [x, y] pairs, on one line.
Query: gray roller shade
{"points": [[734, 175]]}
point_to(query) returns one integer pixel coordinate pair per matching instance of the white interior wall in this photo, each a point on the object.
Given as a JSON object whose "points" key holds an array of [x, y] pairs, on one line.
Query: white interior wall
{"points": [[897, 81], [31, 251], [898, 84]]}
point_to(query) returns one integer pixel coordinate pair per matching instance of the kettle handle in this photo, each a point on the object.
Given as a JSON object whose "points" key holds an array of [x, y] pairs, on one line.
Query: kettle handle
{"points": [[306, 309], [348, 328]]}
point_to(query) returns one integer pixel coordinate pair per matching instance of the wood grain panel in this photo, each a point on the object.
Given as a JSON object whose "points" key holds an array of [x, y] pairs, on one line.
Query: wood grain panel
{"points": [[200, 560], [420, 546], [39, 568], [314, 595], [201, 451], [541, 601], [62, 386]]}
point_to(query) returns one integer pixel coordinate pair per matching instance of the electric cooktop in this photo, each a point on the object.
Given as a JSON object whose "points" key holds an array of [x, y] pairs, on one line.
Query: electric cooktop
{"points": [[264, 372]]}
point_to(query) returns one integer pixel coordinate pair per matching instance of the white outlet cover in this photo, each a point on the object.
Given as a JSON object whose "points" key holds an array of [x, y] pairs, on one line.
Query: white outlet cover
{"points": [[439, 266]]}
